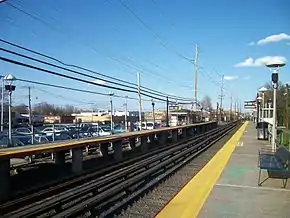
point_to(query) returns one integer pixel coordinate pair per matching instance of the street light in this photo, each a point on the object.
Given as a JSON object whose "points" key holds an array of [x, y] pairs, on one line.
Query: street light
{"points": [[275, 68], [153, 113], [111, 94], [263, 90], [2, 103], [258, 99], [126, 112], [10, 88]]}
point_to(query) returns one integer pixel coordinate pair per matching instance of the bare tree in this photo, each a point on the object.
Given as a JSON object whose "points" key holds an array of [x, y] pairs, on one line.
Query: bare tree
{"points": [[45, 108], [22, 109], [281, 100], [206, 103]]}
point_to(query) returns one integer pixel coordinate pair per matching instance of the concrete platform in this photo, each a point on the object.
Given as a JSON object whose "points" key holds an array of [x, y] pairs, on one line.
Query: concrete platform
{"points": [[236, 193]]}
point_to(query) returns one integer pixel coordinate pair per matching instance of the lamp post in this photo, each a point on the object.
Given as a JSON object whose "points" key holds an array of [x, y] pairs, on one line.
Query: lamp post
{"points": [[263, 90], [10, 88], [126, 112], [259, 99], [2, 104], [286, 102], [275, 68], [111, 108], [153, 112]]}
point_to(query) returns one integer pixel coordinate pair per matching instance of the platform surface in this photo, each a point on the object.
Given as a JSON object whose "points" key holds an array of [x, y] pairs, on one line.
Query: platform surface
{"points": [[236, 193], [227, 186]]}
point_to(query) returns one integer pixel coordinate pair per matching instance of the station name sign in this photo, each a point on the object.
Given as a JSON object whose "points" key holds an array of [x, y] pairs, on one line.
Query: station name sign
{"points": [[249, 104]]}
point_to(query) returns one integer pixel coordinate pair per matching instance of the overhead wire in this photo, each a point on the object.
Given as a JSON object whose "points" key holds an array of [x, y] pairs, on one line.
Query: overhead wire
{"points": [[74, 78], [52, 58], [160, 40], [93, 48], [78, 90], [62, 97]]}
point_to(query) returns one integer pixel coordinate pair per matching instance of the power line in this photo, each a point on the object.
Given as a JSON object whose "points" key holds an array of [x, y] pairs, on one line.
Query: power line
{"points": [[78, 90], [74, 78], [83, 74], [93, 48], [58, 74], [161, 41]]}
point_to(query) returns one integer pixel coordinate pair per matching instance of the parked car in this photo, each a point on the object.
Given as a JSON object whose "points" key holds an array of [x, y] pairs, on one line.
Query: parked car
{"points": [[16, 141], [104, 130], [39, 140], [27, 131], [49, 131]]}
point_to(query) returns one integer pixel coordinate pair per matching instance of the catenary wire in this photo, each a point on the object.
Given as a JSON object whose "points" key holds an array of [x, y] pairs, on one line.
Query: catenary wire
{"points": [[52, 58]]}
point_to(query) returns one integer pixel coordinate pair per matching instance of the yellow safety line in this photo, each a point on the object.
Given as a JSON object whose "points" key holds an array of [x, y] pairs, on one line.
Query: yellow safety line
{"points": [[48, 147], [189, 201]]}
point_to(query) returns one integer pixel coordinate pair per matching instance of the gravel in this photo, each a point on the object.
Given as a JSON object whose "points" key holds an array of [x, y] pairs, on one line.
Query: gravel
{"points": [[153, 201]]}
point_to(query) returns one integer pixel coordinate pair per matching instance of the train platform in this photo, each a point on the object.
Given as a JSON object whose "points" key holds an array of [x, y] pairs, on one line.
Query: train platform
{"points": [[228, 185]]}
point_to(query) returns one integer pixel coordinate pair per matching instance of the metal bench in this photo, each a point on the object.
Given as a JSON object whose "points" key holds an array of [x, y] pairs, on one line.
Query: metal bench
{"points": [[276, 164]]}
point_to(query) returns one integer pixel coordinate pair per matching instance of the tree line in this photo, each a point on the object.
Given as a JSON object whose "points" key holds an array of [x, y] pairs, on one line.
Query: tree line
{"points": [[45, 108], [282, 101]]}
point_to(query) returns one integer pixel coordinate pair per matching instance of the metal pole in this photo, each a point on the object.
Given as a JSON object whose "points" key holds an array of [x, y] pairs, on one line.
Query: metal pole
{"points": [[53, 132], [195, 74], [111, 106], [2, 105], [221, 97], [274, 120], [30, 115], [10, 121], [287, 109], [217, 111], [167, 112], [139, 100], [153, 114], [126, 111], [263, 106], [235, 115], [231, 111]]}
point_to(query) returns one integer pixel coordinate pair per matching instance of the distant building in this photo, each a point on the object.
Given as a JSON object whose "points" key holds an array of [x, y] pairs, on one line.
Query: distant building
{"points": [[58, 119], [160, 116]]}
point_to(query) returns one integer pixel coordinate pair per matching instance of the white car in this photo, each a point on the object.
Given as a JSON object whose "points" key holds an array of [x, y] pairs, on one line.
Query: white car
{"points": [[148, 125], [104, 131], [49, 131]]}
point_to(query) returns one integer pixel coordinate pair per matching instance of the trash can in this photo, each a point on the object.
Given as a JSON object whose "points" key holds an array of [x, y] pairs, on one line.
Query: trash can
{"points": [[262, 131]]}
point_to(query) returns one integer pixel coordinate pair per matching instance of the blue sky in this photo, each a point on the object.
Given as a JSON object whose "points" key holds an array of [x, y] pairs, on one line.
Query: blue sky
{"points": [[95, 34]]}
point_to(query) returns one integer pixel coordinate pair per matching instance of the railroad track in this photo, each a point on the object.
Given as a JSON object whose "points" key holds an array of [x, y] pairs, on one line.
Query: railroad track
{"points": [[104, 193]]}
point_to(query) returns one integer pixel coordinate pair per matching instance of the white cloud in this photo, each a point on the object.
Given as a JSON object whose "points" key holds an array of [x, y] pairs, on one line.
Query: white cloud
{"points": [[247, 77], [272, 38], [230, 77], [98, 81], [259, 62]]}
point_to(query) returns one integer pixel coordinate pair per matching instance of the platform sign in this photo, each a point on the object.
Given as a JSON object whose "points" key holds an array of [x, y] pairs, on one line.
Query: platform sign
{"points": [[249, 104]]}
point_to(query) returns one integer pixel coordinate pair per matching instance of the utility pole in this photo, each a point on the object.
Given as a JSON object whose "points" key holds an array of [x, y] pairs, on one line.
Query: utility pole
{"points": [[287, 107], [240, 107], [231, 107], [167, 112], [195, 74], [217, 111], [221, 96], [111, 108], [235, 117], [237, 100], [139, 101], [30, 115], [126, 111], [2, 105]]}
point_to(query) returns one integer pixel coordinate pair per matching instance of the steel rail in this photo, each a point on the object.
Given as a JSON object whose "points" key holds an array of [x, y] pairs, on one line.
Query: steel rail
{"points": [[118, 180], [69, 182]]}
